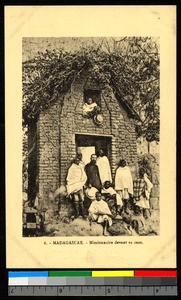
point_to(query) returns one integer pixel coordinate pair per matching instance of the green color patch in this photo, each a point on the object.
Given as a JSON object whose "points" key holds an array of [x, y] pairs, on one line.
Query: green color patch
{"points": [[69, 273]]}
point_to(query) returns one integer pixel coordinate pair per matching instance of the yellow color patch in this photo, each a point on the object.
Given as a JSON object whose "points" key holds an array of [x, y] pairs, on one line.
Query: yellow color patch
{"points": [[112, 273]]}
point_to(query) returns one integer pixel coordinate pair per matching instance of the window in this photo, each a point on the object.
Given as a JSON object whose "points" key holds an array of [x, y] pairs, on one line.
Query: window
{"points": [[95, 95]]}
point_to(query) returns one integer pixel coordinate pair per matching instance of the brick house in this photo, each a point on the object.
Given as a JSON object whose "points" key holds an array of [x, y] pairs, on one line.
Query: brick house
{"points": [[61, 131]]}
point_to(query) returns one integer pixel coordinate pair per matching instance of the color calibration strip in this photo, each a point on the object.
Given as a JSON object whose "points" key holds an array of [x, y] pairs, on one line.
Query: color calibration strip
{"points": [[97, 278]]}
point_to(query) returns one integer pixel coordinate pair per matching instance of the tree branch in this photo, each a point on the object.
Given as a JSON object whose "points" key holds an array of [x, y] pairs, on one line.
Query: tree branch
{"points": [[146, 52]]}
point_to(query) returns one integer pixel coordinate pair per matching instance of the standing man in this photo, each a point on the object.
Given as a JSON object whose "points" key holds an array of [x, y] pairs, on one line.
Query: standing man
{"points": [[104, 167], [124, 183], [92, 172], [76, 179], [79, 156]]}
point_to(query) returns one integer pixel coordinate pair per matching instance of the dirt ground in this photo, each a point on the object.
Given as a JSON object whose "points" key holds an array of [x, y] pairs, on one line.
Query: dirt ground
{"points": [[63, 226]]}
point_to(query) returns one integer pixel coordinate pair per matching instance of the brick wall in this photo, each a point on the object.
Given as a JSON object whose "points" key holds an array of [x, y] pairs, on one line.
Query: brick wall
{"points": [[32, 161], [56, 135], [122, 130], [116, 123], [48, 150]]}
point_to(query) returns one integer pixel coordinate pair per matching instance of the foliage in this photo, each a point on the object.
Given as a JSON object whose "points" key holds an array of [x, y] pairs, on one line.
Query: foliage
{"points": [[146, 162], [130, 66]]}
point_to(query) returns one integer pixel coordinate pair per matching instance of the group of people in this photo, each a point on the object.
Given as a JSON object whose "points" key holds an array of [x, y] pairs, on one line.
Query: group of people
{"points": [[94, 181]]}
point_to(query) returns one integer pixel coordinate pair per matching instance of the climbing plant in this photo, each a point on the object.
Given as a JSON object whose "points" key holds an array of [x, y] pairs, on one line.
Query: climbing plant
{"points": [[129, 65]]}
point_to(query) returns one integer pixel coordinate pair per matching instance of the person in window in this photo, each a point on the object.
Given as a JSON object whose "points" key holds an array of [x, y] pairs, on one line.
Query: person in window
{"points": [[90, 108]]}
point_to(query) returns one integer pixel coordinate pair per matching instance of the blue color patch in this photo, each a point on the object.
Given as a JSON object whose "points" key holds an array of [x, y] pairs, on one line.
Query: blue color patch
{"points": [[28, 274]]}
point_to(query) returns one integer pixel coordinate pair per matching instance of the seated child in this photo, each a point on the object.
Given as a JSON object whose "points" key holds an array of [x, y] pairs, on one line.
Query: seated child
{"points": [[90, 108], [100, 212], [111, 192], [137, 221]]}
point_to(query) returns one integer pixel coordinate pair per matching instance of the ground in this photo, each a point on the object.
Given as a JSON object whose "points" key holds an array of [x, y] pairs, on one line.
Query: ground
{"points": [[61, 225]]}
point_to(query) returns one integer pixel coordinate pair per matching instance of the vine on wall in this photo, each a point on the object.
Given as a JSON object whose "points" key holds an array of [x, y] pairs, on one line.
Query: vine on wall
{"points": [[129, 65]]}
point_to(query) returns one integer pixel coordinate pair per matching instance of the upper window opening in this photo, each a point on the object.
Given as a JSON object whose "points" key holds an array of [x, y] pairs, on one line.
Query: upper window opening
{"points": [[94, 95]]}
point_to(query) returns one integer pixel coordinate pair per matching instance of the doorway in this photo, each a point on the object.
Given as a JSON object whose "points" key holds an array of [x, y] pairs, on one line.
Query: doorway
{"points": [[91, 144]]}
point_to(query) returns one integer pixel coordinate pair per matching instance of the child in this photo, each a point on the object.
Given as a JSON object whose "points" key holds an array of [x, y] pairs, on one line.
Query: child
{"points": [[137, 221], [112, 193], [90, 108], [100, 212]]}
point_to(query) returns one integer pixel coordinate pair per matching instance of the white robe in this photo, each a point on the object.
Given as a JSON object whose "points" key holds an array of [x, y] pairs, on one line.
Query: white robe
{"points": [[123, 179], [144, 202], [104, 169], [89, 107], [149, 186], [111, 191], [76, 178], [99, 211]]}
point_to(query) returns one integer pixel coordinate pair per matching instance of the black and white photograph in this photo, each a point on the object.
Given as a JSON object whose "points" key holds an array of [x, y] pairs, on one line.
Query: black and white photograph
{"points": [[91, 133], [90, 136]]}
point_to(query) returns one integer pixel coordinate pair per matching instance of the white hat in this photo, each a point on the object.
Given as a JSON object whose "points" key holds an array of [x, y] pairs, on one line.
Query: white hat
{"points": [[91, 192], [98, 119]]}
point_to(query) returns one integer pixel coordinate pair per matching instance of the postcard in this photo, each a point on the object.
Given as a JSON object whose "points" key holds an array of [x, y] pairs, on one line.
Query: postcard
{"points": [[90, 96]]}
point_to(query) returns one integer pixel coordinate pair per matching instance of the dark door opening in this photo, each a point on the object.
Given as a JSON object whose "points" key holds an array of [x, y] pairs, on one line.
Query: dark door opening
{"points": [[90, 144]]}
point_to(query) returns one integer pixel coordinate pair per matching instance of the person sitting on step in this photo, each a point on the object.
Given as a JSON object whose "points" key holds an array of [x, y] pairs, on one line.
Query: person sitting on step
{"points": [[108, 191], [99, 212]]}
